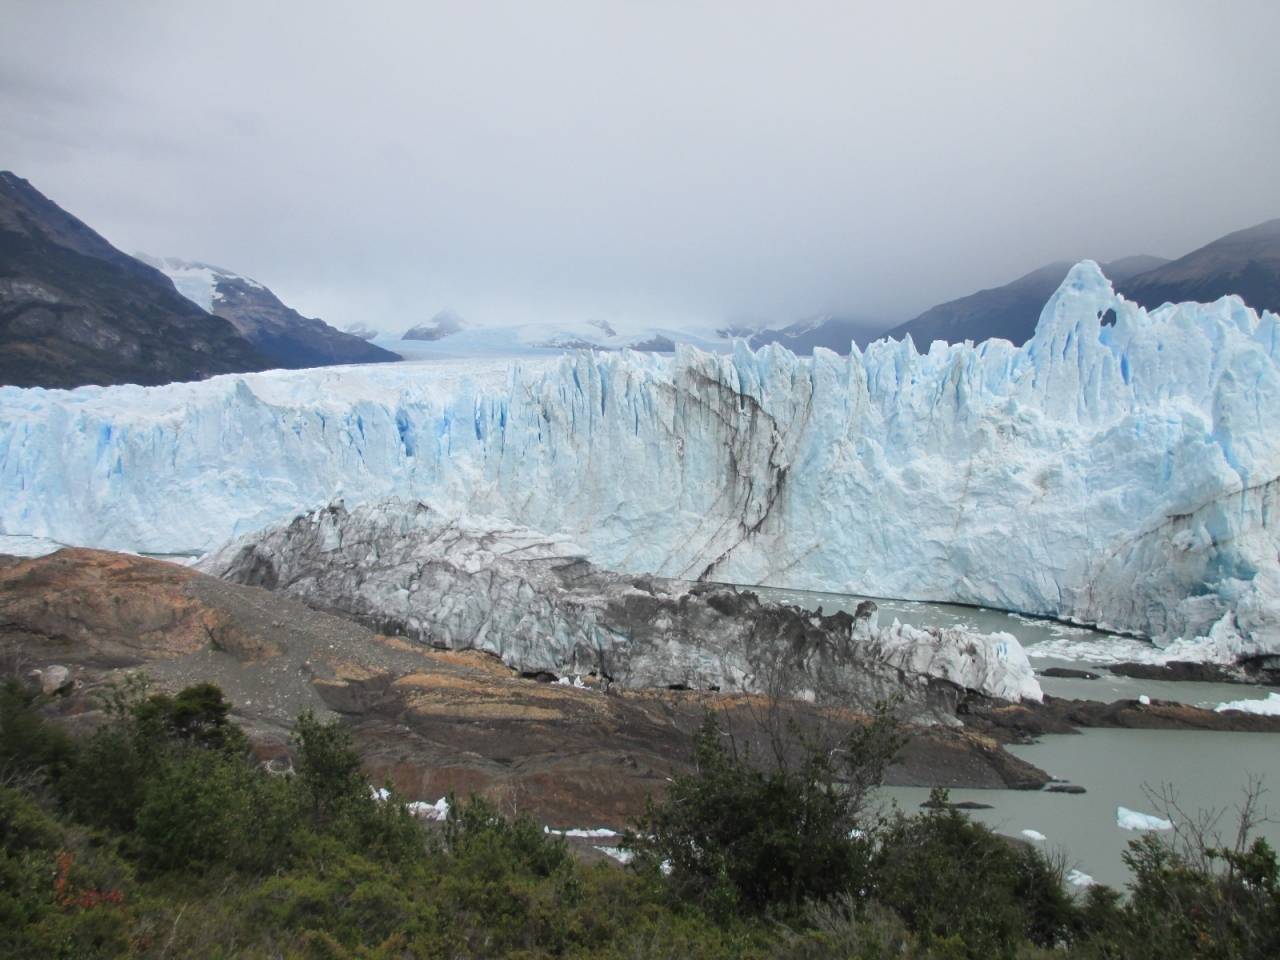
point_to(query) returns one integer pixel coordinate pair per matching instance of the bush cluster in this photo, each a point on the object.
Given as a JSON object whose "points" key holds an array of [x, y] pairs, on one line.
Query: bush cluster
{"points": [[162, 836]]}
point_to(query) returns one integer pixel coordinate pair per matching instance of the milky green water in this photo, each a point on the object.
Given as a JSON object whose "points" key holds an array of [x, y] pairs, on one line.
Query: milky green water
{"points": [[1207, 769]]}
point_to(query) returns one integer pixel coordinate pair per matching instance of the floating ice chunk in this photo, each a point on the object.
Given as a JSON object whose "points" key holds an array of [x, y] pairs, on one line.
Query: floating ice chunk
{"points": [[622, 856], [1127, 819], [381, 794], [1078, 879], [1034, 835], [1096, 651], [1269, 707], [1144, 700], [430, 811], [596, 833]]}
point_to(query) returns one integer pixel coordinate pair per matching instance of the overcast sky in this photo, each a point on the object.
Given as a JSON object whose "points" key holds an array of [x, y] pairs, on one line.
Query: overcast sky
{"points": [[651, 160]]}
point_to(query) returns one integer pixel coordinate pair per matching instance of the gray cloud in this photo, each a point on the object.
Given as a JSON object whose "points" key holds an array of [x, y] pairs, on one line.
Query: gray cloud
{"points": [[643, 160]]}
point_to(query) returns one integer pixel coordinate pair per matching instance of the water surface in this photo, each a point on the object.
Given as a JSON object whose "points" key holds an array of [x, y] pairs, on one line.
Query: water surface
{"points": [[1207, 769]]}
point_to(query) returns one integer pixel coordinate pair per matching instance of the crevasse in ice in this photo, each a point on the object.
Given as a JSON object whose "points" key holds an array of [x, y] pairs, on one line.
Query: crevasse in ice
{"points": [[1119, 472]]}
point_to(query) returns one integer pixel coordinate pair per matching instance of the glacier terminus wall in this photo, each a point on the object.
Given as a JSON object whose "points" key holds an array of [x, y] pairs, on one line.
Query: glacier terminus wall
{"points": [[1119, 469]]}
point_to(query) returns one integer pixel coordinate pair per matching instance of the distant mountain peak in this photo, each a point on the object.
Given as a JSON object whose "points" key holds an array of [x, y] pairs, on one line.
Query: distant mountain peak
{"points": [[361, 330], [279, 331], [444, 324]]}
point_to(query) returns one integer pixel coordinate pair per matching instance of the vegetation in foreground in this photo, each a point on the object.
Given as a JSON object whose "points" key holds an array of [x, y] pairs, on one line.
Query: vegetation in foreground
{"points": [[162, 836]]}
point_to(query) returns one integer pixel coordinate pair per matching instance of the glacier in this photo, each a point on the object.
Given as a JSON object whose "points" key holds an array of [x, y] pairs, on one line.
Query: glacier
{"points": [[1119, 469]]}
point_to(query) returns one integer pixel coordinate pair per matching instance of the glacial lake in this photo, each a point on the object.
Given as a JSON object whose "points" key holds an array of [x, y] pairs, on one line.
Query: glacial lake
{"points": [[1206, 769]]}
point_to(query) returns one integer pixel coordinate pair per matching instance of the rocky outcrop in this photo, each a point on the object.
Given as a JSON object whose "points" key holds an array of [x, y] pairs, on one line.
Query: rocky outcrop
{"points": [[432, 720], [1024, 722], [532, 600], [117, 609], [1251, 671]]}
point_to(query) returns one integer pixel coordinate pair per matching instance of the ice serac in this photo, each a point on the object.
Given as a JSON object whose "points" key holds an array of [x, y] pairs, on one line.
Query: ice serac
{"points": [[1120, 468], [536, 602]]}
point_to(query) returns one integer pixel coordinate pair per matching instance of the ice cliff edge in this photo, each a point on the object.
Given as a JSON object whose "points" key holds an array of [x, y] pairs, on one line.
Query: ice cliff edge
{"points": [[482, 583], [1120, 468]]}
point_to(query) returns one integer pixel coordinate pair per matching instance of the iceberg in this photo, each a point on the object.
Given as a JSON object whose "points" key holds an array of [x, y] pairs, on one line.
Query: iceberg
{"points": [[1270, 707], [1119, 469], [1127, 819], [429, 811], [624, 856], [595, 834]]}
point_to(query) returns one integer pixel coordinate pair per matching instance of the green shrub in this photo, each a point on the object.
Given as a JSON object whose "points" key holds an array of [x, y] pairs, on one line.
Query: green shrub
{"points": [[734, 838], [60, 893], [196, 716], [110, 781], [955, 882], [234, 861], [28, 745], [1180, 909], [476, 832]]}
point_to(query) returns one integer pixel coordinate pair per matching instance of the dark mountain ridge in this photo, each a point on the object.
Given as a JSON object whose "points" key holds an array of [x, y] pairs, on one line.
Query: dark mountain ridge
{"points": [[74, 310], [1245, 263]]}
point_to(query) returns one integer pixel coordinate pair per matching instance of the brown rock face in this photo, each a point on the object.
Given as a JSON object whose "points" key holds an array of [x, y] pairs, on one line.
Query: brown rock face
{"points": [[121, 608], [1018, 722]]}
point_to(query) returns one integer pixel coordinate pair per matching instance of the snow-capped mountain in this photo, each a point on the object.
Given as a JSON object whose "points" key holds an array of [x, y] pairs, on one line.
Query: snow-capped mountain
{"points": [[802, 337], [75, 310], [1121, 474], [362, 331], [280, 332], [444, 324]]}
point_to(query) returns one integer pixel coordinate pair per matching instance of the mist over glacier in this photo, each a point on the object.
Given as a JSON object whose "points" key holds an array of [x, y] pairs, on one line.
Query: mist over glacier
{"points": [[1119, 473]]}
